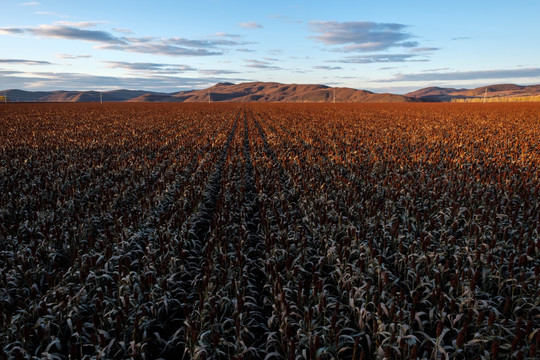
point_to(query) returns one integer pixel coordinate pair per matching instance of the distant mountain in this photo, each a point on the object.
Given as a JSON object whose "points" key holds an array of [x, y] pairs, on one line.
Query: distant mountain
{"points": [[274, 92], [244, 92], [491, 91], [71, 96], [434, 94]]}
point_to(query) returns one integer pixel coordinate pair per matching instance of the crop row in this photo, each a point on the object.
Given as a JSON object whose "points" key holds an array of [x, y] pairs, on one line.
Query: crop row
{"points": [[295, 231]]}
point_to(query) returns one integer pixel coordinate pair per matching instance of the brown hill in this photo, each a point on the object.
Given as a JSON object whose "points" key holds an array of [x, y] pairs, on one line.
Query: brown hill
{"points": [[276, 92], [434, 93], [491, 91], [72, 96], [153, 97], [244, 92]]}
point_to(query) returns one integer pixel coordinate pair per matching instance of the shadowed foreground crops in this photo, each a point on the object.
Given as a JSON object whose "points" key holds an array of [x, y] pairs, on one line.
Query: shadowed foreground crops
{"points": [[270, 231]]}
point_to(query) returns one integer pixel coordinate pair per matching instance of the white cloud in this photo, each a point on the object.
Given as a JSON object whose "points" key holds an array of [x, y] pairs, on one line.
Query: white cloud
{"points": [[250, 25], [174, 46], [258, 64], [150, 67], [68, 56], [24, 62], [379, 58], [362, 35], [76, 81]]}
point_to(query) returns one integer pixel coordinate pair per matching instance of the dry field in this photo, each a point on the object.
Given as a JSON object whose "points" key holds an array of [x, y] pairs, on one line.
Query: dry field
{"points": [[269, 231]]}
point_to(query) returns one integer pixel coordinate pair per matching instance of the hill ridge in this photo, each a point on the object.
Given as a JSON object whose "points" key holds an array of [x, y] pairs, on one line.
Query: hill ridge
{"points": [[223, 91], [256, 91], [439, 94]]}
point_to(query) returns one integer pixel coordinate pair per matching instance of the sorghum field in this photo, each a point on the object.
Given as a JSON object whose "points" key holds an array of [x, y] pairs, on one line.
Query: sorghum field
{"points": [[270, 231]]}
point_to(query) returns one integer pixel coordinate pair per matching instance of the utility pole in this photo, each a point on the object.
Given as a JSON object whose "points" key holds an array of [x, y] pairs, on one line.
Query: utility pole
{"points": [[209, 97], [485, 93], [334, 101], [100, 98]]}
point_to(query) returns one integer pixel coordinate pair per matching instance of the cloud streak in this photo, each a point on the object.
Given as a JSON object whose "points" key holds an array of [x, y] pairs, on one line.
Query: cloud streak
{"points": [[24, 62], [150, 67], [73, 57], [77, 81], [250, 25], [124, 31], [74, 33], [361, 36], [158, 68], [324, 67], [66, 32], [222, 34], [174, 46], [214, 72], [258, 64], [10, 31], [160, 48], [424, 49], [379, 58], [467, 75]]}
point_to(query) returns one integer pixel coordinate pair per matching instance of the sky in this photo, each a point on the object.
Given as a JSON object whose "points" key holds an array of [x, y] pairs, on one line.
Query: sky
{"points": [[168, 46]]}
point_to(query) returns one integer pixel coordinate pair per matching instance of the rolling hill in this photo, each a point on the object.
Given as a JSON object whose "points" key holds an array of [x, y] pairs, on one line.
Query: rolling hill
{"points": [[276, 92], [244, 92], [71, 96], [491, 91]]}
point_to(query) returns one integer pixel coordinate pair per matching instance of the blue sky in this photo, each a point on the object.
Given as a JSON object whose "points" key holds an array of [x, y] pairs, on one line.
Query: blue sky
{"points": [[382, 46]]}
